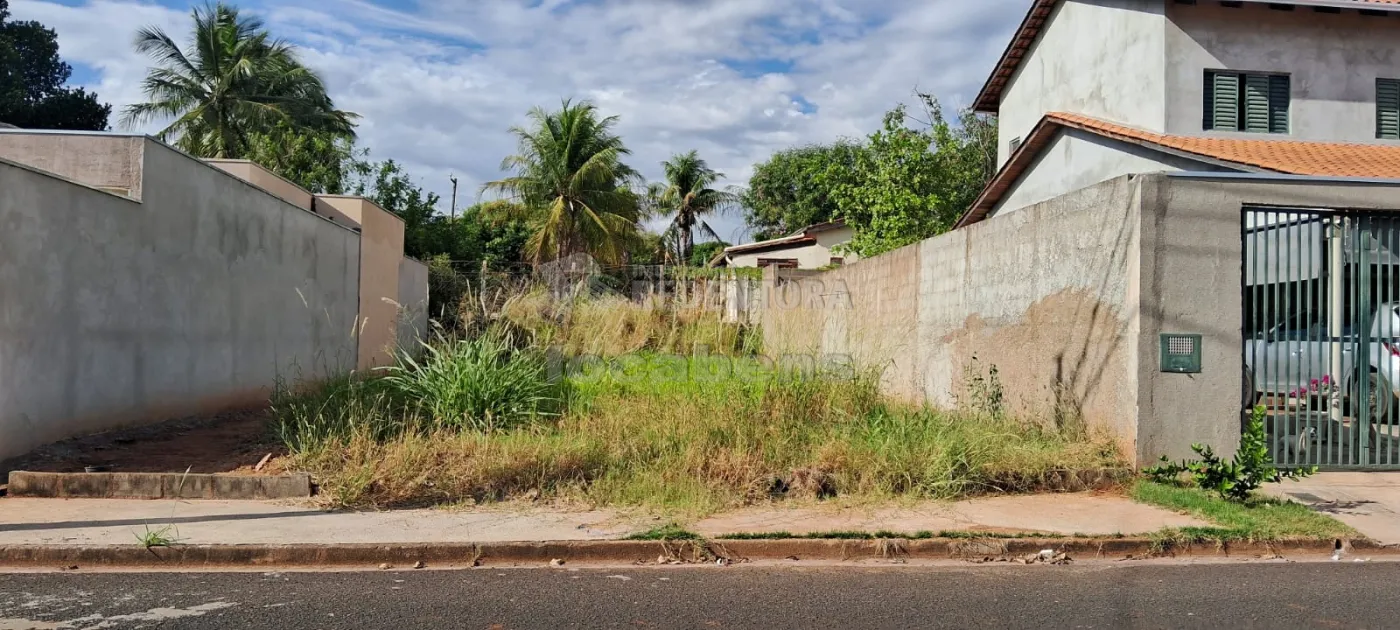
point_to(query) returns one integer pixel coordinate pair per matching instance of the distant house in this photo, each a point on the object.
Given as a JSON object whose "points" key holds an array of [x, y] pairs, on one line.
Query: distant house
{"points": [[810, 248]]}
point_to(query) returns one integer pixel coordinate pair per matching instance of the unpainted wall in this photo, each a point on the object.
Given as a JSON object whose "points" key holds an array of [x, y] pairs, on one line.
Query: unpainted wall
{"points": [[1047, 294], [1101, 58], [109, 162], [381, 252], [1333, 59], [196, 299], [412, 326]]}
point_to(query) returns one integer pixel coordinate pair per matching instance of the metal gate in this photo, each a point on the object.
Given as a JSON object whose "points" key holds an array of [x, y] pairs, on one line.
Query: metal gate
{"points": [[1321, 318]]}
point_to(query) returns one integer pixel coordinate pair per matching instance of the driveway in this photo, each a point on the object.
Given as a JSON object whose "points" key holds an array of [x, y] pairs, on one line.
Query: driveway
{"points": [[1369, 502]]}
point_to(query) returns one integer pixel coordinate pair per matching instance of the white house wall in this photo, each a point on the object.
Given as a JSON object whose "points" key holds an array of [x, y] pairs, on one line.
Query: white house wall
{"points": [[1077, 159], [1100, 58], [1334, 61]]}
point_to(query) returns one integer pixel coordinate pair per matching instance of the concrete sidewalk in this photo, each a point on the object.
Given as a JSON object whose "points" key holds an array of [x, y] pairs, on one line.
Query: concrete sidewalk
{"points": [[121, 522], [1367, 501]]}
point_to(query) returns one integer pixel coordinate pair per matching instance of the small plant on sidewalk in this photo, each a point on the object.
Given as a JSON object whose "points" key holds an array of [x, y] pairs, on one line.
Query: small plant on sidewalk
{"points": [[1237, 479]]}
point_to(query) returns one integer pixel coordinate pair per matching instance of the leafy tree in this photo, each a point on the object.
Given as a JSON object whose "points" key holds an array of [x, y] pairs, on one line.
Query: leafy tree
{"points": [[793, 189], [705, 252], [232, 82], [474, 237], [910, 184], [688, 195], [32, 75], [570, 183], [323, 163]]}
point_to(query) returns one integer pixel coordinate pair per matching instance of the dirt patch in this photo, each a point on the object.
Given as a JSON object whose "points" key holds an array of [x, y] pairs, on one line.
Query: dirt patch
{"points": [[224, 443]]}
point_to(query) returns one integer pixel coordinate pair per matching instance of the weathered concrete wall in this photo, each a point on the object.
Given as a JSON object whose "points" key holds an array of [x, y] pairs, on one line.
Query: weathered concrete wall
{"points": [[1046, 294], [109, 162], [1101, 58], [381, 252], [1190, 278], [1334, 61], [267, 180], [195, 299], [413, 304], [1078, 159]]}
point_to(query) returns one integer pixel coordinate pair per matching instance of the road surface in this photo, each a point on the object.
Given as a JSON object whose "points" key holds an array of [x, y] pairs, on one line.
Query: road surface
{"points": [[1101, 595]]}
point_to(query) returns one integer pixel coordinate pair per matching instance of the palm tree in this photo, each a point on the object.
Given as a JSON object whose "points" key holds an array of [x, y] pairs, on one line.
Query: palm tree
{"points": [[688, 194], [232, 82], [570, 182]]}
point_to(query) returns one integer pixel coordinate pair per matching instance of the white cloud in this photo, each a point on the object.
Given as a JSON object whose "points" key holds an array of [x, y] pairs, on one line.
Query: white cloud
{"points": [[438, 86]]}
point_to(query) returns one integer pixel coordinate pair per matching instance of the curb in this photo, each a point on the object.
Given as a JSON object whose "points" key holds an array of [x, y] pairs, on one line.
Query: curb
{"points": [[157, 486], [615, 552]]}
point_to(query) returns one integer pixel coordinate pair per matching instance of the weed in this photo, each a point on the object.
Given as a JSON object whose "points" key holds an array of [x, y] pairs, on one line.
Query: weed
{"points": [[1256, 519], [1238, 479], [670, 531], [162, 537], [984, 393]]}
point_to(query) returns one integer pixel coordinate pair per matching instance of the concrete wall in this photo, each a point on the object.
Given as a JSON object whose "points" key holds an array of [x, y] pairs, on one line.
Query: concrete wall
{"points": [[1077, 159], [193, 300], [1101, 58], [109, 162], [1046, 294], [267, 180], [413, 304], [381, 252], [1191, 266], [1334, 60]]}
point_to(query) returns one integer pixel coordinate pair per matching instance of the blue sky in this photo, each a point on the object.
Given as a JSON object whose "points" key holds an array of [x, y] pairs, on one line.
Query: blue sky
{"points": [[439, 83]]}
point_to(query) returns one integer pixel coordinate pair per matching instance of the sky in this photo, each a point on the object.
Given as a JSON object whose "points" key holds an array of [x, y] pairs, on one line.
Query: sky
{"points": [[440, 83]]}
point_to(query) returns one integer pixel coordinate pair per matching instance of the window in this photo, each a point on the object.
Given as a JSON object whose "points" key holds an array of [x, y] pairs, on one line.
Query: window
{"points": [[1388, 109], [1256, 103], [1015, 144], [781, 263]]}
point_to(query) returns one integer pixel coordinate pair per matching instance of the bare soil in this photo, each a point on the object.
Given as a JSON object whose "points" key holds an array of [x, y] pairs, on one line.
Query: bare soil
{"points": [[225, 443]]}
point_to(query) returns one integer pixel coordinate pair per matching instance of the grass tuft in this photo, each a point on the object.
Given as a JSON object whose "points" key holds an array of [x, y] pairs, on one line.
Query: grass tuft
{"points": [[1260, 519]]}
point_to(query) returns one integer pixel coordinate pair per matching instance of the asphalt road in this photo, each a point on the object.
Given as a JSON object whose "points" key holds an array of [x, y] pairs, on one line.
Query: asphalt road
{"points": [[1108, 595]]}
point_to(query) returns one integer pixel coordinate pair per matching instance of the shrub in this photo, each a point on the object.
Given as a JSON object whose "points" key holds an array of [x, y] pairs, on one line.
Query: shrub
{"points": [[481, 384], [1234, 480]]}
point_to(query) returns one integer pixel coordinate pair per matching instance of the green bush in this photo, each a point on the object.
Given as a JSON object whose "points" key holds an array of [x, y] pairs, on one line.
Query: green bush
{"points": [[1233, 480], [480, 384]]}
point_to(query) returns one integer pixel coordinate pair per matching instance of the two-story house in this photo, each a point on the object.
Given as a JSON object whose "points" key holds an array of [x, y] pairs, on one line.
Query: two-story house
{"points": [[1089, 90]]}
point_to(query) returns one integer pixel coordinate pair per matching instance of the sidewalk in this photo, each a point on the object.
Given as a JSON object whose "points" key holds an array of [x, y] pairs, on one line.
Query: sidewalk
{"points": [[120, 522], [1367, 501]]}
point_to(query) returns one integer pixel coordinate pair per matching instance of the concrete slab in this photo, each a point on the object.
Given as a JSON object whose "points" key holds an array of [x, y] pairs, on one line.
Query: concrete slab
{"points": [[1367, 501], [1082, 513], [120, 521]]}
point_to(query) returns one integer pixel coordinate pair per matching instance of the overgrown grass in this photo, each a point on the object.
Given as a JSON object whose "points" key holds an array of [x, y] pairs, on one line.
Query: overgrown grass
{"points": [[685, 436], [1260, 519], [616, 326]]}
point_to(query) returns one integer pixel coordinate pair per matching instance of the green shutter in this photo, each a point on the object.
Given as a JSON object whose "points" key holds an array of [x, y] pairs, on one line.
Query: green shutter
{"points": [[1388, 109], [1256, 103], [1223, 101], [1279, 97]]}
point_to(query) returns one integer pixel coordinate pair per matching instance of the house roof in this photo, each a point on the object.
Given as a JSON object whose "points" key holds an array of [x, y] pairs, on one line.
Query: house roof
{"points": [[1294, 157], [801, 238], [989, 99]]}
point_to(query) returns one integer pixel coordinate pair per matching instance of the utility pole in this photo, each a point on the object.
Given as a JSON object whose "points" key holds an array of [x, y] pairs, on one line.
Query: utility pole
{"points": [[453, 177]]}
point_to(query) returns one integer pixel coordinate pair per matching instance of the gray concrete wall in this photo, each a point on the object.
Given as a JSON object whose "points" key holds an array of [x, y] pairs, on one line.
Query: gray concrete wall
{"points": [[196, 299], [1190, 278], [413, 304], [1101, 58], [1047, 294], [106, 161], [1077, 159], [1334, 61]]}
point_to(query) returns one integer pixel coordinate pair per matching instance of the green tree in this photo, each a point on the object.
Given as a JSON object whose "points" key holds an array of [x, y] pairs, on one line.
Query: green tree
{"points": [[910, 184], [323, 163], [793, 189], [232, 82], [705, 252], [570, 183], [688, 195], [32, 75]]}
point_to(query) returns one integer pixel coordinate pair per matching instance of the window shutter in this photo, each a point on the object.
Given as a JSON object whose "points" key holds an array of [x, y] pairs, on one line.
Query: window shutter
{"points": [[1223, 101], [1279, 98], [1388, 109], [1256, 103]]}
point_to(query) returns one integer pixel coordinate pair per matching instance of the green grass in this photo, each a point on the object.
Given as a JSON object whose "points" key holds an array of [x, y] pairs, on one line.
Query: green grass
{"points": [[1261, 519], [156, 537], [666, 532]]}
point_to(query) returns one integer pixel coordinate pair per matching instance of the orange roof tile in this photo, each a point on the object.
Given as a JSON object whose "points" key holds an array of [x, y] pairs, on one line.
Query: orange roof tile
{"points": [[990, 97], [1294, 157]]}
